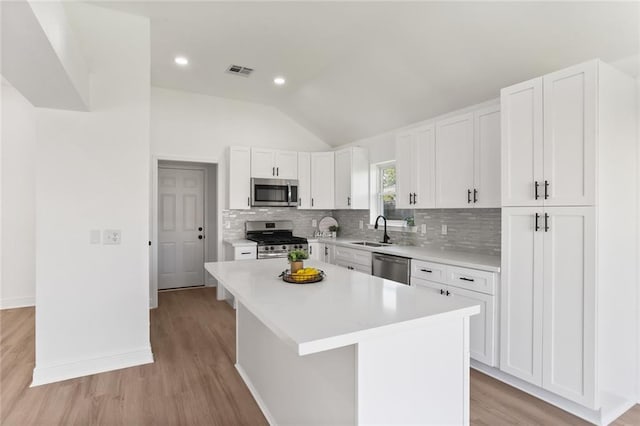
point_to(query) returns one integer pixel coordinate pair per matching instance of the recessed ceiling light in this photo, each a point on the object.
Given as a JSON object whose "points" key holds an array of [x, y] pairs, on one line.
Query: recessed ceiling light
{"points": [[181, 60], [279, 81]]}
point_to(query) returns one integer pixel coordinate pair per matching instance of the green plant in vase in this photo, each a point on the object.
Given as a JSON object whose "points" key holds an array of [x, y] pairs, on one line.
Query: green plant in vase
{"points": [[296, 258]]}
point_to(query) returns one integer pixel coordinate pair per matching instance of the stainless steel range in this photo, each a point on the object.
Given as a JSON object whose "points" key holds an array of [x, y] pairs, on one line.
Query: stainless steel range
{"points": [[275, 238]]}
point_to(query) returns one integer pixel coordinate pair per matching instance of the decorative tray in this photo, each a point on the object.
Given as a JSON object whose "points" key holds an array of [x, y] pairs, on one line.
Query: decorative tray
{"points": [[304, 277]]}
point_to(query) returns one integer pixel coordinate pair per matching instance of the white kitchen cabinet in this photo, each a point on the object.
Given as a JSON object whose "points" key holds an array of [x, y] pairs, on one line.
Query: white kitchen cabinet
{"points": [[352, 179], [549, 130], [316, 251], [322, 181], [521, 295], [304, 180], [357, 260], [274, 164], [329, 253], [522, 156], [486, 153], [415, 168], [569, 328], [568, 302], [454, 162], [239, 178]]}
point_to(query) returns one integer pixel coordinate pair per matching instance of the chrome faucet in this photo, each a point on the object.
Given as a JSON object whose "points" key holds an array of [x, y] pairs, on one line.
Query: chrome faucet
{"points": [[385, 239]]}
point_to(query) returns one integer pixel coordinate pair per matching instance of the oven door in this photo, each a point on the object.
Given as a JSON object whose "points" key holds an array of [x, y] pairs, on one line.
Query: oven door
{"points": [[274, 193]]}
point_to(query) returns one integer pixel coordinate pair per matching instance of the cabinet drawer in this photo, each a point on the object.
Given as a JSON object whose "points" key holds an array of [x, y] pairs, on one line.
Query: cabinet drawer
{"points": [[354, 266], [428, 271], [472, 279], [245, 253], [429, 285]]}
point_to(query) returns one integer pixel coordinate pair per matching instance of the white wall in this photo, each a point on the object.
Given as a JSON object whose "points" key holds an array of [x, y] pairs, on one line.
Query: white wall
{"points": [[92, 172], [17, 280]]}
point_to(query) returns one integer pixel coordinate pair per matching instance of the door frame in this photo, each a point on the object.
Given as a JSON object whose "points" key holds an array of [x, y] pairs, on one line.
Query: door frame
{"points": [[153, 211]]}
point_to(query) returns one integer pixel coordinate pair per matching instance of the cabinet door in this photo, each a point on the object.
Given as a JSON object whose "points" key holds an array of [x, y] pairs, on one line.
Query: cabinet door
{"points": [[482, 327], [487, 157], [286, 163], [569, 135], [316, 251], [454, 162], [329, 253], [521, 295], [405, 170], [239, 178], [304, 180], [425, 167], [263, 163], [322, 180], [569, 304], [522, 155], [343, 179]]}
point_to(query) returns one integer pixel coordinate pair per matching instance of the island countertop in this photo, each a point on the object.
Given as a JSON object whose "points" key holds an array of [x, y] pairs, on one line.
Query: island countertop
{"points": [[345, 308]]}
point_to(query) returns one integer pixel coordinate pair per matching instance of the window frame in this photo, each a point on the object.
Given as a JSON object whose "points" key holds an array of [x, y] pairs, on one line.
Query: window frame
{"points": [[377, 202]]}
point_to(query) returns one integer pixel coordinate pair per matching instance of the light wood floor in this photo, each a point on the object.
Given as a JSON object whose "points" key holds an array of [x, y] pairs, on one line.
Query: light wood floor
{"points": [[193, 381]]}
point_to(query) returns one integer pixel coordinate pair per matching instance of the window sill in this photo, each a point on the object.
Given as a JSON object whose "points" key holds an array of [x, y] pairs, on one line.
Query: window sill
{"points": [[396, 228]]}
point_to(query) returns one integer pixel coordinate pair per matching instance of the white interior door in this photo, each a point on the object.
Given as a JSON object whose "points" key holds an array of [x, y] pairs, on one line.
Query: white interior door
{"points": [[454, 162], [180, 228], [521, 295], [569, 303]]}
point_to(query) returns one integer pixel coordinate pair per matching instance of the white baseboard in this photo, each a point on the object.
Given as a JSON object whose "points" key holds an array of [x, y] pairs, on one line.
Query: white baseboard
{"points": [[87, 367], [17, 302], [256, 396]]}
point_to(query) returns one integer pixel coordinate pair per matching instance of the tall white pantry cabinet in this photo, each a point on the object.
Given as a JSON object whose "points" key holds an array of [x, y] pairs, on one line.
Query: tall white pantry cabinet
{"points": [[569, 197]]}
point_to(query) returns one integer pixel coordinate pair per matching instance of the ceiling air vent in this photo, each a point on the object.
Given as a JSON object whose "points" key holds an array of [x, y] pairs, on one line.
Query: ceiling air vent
{"points": [[240, 70]]}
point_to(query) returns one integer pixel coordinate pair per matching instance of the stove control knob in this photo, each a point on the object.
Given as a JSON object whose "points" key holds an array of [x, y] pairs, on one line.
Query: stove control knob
{"points": [[271, 248], [284, 247]]}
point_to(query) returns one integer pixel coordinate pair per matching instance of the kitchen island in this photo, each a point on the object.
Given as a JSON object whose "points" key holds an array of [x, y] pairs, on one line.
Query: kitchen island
{"points": [[353, 349]]}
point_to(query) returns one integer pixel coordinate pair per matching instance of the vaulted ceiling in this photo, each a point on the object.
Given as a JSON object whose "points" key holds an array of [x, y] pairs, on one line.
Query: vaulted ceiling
{"points": [[356, 69]]}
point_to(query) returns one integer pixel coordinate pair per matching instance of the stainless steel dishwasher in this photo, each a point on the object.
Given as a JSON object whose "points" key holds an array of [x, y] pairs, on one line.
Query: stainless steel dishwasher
{"points": [[394, 268]]}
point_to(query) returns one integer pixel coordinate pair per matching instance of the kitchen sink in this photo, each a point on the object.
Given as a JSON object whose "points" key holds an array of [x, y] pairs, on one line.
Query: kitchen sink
{"points": [[370, 244]]}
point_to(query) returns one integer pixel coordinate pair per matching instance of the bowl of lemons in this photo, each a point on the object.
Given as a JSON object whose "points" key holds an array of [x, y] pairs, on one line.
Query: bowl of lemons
{"points": [[303, 276]]}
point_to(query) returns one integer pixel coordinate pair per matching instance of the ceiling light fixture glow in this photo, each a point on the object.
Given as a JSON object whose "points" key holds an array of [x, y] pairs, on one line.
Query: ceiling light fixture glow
{"points": [[279, 81], [181, 60]]}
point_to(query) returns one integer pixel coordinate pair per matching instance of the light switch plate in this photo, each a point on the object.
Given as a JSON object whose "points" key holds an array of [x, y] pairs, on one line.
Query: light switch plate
{"points": [[112, 236], [444, 229], [94, 236], [314, 223]]}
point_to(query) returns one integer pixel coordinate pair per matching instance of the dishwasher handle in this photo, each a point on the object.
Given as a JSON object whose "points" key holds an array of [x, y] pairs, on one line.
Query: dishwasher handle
{"points": [[392, 259]]}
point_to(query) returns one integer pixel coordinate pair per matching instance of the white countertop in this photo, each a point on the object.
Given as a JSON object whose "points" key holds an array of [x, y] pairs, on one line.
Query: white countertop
{"points": [[348, 306], [240, 242], [463, 259]]}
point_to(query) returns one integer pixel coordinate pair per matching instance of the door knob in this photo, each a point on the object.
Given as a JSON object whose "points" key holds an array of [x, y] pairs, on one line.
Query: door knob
{"points": [[200, 228], [200, 237]]}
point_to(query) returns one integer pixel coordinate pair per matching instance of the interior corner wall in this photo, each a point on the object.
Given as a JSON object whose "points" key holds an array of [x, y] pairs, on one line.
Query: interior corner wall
{"points": [[92, 173], [18, 145]]}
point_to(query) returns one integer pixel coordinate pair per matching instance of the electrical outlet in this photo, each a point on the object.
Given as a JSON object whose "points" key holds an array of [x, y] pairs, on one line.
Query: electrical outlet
{"points": [[444, 229], [94, 236], [314, 223], [112, 236], [423, 228], [362, 224]]}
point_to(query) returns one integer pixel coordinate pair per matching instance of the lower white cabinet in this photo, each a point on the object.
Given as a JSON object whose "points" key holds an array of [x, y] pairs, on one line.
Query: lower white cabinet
{"points": [[236, 251], [329, 253], [316, 251], [470, 285], [548, 308], [353, 259]]}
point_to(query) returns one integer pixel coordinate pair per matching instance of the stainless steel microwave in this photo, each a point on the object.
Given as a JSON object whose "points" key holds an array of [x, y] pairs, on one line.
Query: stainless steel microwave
{"points": [[274, 192]]}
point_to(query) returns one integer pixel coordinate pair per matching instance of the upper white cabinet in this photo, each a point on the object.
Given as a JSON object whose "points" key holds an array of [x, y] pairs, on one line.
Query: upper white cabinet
{"points": [[569, 230], [486, 153], [415, 168], [322, 181], [352, 178], [454, 162], [468, 159], [239, 177], [269, 163], [304, 180], [549, 139]]}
